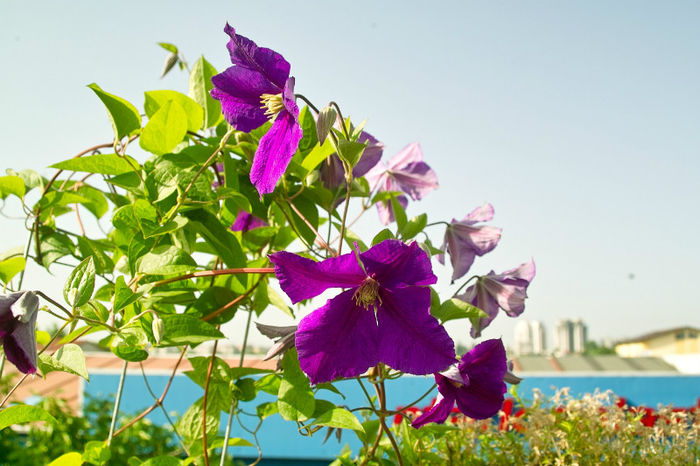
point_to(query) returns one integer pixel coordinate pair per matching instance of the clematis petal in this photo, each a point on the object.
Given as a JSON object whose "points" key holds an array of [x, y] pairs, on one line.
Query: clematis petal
{"points": [[485, 365], [377, 177], [482, 213], [245, 53], [332, 173], [386, 211], [437, 413], [245, 222], [396, 264], [241, 114], [415, 179], [274, 152], [410, 339], [301, 278], [510, 287], [337, 340], [465, 242], [20, 344], [478, 296], [409, 154]]}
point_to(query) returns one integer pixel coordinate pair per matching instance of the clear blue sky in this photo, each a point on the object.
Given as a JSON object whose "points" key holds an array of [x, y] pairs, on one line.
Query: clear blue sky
{"points": [[578, 121]]}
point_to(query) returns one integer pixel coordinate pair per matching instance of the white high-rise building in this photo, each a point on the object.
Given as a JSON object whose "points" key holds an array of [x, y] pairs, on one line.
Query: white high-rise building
{"points": [[570, 337], [529, 337]]}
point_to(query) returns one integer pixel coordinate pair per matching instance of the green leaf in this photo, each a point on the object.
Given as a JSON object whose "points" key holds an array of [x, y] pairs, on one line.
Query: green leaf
{"points": [[308, 126], [317, 155], [218, 237], [31, 178], [457, 309], [245, 389], [190, 425], [413, 227], [339, 418], [220, 373], [123, 296], [11, 185], [184, 329], [165, 260], [165, 129], [42, 338], [69, 358], [278, 301], [269, 384], [266, 409], [11, 267], [382, 235], [104, 164], [80, 284], [68, 459], [295, 399], [156, 99], [129, 344], [351, 151], [399, 213], [324, 122], [169, 47], [21, 414], [54, 246], [200, 85], [232, 442], [96, 452], [124, 116], [96, 249], [96, 202], [164, 460]]}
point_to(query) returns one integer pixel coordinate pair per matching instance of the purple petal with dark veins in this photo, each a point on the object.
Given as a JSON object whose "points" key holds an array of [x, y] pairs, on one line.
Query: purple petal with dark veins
{"points": [[337, 340], [245, 53], [416, 179], [409, 154], [274, 152], [246, 221], [440, 411], [477, 296], [301, 278], [464, 242], [410, 339], [485, 365], [395, 264]]}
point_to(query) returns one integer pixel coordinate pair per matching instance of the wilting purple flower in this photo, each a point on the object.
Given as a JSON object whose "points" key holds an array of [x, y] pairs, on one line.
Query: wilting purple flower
{"points": [[257, 88], [383, 316], [465, 240], [475, 383], [18, 312], [245, 222], [405, 172], [507, 290], [332, 172]]}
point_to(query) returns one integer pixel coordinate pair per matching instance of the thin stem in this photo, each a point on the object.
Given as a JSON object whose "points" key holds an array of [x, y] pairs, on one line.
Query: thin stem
{"points": [[348, 179], [159, 401], [319, 238], [231, 303], [2, 363], [231, 410], [211, 273], [54, 303], [308, 102], [342, 120], [205, 165], [26, 254], [204, 404], [117, 402], [437, 223], [464, 284], [417, 401], [165, 412]]}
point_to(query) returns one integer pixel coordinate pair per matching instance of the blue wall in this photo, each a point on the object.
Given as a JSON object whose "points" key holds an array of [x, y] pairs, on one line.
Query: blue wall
{"points": [[279, 438]]}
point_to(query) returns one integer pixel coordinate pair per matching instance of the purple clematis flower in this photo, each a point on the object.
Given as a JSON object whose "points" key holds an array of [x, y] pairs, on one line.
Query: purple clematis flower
{"points": [[18, 312], [332, 172], [475, 383], [507, 290], [382, 316], [464, 240], [257, 88], [245, 222], [405, 172]]}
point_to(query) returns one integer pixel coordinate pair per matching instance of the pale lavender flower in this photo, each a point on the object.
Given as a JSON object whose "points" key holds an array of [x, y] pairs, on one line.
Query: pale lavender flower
{"points": [[464, 240], [332, 173], [405, 172], [507, 291], [257, 88], [382, 316], [475, 384], [18, 313]]}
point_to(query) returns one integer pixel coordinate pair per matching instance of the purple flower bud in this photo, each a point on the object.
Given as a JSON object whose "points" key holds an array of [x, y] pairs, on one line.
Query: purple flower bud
{"points": [[18, 313]]}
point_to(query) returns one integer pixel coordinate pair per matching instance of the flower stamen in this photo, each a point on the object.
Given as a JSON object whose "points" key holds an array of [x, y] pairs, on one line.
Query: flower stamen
{"points": [[367, 294], [273, 103]]}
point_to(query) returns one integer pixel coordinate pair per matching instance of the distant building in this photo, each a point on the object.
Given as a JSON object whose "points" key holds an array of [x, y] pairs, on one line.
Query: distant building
{"points": [[570, 337], [680, 340], [529, 337]]}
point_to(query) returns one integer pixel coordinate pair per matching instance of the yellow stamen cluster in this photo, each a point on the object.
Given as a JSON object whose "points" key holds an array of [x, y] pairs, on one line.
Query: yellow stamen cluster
{"points": [[273, 103], [367, 294]]}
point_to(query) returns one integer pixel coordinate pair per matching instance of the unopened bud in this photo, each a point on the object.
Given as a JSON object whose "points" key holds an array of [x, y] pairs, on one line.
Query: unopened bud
{"points": [[158, 327]]}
